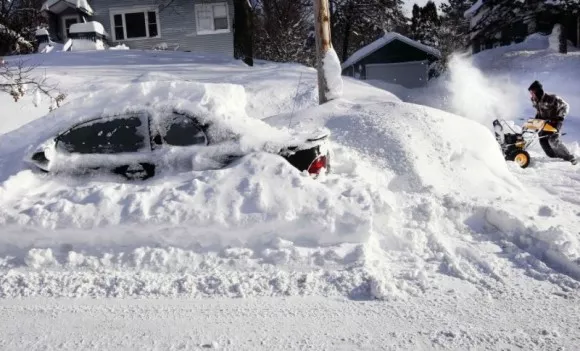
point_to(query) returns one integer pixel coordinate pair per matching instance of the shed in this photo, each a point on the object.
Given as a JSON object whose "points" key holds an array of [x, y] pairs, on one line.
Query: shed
{"points": [[393, 58]]}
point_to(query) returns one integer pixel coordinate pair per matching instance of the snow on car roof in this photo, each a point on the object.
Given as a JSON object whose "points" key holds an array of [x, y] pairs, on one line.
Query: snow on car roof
{"points": [[221, 105]]}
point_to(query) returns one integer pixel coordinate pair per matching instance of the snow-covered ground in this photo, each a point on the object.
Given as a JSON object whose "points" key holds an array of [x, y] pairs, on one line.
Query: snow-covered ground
{"points": [[422, 237], [292, 323]]}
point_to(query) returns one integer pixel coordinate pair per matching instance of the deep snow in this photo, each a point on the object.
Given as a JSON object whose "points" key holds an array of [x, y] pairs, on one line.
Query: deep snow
{"points": [[420, 207]]}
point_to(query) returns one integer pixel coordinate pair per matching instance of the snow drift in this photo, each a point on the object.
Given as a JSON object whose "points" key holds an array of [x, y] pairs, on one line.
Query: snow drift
{"points": [[419, 199]]}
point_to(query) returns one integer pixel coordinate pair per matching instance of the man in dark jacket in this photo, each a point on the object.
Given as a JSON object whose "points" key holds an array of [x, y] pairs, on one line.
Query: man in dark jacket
{"points": [[552, 109]]}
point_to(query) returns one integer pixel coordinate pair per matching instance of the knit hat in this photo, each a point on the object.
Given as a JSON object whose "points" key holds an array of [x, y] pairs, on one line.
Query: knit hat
{"points": [[537, 88]]}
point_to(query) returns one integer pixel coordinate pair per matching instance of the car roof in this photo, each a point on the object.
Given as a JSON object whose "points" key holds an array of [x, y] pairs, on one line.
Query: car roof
{"points": [[221, 105]]}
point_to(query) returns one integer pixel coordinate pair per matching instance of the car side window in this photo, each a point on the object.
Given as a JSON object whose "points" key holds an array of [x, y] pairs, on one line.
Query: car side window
{"points": [[180, 130], [105, 136]]}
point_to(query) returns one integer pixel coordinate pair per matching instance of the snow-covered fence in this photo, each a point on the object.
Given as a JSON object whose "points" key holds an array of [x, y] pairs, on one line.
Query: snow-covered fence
{"points": [[88, 36]]}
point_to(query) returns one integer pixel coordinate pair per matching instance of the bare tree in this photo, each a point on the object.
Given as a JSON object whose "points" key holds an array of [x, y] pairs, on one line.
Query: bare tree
{"points": [[19, 79], [356, 23], [284, 31]]}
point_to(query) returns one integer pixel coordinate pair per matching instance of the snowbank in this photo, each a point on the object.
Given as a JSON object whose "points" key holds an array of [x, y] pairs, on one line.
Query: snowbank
{"points": [[426, 150], [419, 201], [119, 47], [86, 45]]}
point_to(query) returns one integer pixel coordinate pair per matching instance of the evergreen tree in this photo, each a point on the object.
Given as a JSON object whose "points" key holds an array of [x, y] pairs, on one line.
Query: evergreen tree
{"points": [[425, 24], [356, 23], [415, 21], [18, 23], [455, 27], [559, 9], [505, 13], [501, 14]]}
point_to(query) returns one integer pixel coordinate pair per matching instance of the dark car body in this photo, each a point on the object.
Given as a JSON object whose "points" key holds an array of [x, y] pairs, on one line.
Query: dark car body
{"points": [[136, 136]]}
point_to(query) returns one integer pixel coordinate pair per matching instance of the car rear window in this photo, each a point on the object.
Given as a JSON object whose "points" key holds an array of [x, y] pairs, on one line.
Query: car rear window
{"points": [[105, 136]]}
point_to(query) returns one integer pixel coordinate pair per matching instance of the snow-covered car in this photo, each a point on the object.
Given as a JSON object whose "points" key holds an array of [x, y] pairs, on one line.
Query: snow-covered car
{"points": [[136, 144]]}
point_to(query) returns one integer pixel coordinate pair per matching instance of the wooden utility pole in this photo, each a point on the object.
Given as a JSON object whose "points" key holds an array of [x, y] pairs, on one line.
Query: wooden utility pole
{"points": [[323, 44]]}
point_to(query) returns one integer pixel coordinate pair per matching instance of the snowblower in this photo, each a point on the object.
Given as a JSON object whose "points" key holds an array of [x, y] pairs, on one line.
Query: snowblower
{"points": [[514, 145]]}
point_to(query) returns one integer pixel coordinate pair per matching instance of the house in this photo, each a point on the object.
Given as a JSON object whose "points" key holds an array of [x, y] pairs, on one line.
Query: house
{"points": [[533, 22], [201, 26], [393, 58]]}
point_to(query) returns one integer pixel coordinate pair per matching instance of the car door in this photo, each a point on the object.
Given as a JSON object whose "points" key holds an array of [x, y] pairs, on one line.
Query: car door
{"points": [[185, 143]]}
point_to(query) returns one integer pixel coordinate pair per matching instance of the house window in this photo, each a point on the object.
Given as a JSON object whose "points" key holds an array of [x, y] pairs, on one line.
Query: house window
{"points": [[68, 21], [135, 24], [212, 18]]}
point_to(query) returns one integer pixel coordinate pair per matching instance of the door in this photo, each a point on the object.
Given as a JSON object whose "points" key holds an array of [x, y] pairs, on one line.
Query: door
{"points": [[408, 74], [68, 21]]}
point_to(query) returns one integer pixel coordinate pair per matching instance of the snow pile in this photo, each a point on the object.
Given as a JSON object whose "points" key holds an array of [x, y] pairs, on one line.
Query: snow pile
{"points": [[256, 213], [119, 47], [332, 74], [422, 148], [222, 105], [87, 45], [419, 200]]}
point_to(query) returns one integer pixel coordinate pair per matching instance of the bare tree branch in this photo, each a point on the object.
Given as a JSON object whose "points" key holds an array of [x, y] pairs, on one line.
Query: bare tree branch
{"points": [[17, 80]]}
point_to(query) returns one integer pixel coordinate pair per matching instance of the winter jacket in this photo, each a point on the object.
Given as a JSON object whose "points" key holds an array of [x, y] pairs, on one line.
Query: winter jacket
{"points": [[551, 108]]}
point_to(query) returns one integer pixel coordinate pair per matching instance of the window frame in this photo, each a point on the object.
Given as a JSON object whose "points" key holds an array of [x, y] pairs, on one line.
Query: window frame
{"points": [[156, 132], [63, 19], [125, 10], [214, 31], [145, 118]]}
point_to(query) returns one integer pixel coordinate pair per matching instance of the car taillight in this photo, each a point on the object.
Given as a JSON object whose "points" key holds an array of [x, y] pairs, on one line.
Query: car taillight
{"points": [[317, 165]]}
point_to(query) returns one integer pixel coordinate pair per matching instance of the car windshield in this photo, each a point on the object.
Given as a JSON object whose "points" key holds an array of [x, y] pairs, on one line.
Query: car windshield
{"points": [[181, 130], [106, 136]]}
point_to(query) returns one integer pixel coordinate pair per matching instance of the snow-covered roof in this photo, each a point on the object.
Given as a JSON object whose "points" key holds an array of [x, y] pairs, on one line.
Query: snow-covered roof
{"points": [[387, 38], [58, 6], [88, 27]]}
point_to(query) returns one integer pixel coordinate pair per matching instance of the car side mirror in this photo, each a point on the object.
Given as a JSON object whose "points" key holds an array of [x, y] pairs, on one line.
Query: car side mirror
{"points": [[39, 157]]}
